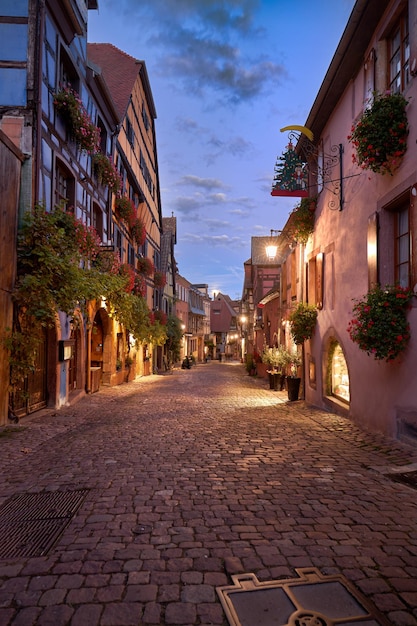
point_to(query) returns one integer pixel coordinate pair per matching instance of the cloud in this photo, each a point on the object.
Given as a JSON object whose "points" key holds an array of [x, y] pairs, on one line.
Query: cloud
{"points": [[215, 241], [187, 205], [219, 14], [240, 212], [205, 183], [205, 64], [236, 146], [213, 224], [200, 43]]}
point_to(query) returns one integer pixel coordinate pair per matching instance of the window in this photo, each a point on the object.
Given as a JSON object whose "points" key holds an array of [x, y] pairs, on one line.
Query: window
{"points": [[145, 117], [402, 247], [103, 136], [399, 55], [98, 220], [64, 187], [146, 174], [129, 133], [67, 73], [131, 255], [339, 374]]}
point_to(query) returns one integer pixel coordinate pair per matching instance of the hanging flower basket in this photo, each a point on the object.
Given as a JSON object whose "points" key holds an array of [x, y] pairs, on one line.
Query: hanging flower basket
{"points": [[81, 127], [380, 326], [88, 240], [145, 266], [380, 136], [302, 322], [159, 279], [125, 208], [106, 172], [138, 231]]}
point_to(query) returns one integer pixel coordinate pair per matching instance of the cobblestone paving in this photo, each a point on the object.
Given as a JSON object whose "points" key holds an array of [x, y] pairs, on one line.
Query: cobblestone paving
{"points": [[194, 477]]}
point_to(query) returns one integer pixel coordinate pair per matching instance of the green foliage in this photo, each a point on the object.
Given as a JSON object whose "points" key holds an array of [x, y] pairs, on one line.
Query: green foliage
{"points": [[302, 224], [380, 136], [380, 325], [250, 363], [302, 322], [61, 268], [278, 358], [174, 337]]}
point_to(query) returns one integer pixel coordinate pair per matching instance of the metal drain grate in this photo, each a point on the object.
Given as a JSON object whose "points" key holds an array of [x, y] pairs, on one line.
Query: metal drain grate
{"points": [[31, 523], [406, 478]]}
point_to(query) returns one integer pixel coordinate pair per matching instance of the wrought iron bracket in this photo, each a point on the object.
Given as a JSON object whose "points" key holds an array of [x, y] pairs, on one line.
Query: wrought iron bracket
{"points": [[324, 165]]}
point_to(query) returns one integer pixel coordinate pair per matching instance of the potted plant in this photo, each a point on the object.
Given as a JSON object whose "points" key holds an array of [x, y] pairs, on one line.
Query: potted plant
{"points": [[302, 322], [380, 326], [380, 135], [293, 380], [277, 358]]}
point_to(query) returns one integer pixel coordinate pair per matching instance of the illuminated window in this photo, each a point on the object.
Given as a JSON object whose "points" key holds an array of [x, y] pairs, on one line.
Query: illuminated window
{"points": [[339, 375]]}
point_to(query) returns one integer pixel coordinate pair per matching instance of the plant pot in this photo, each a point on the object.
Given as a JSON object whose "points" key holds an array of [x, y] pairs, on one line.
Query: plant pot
{"points": [[293, 387], [275, 380]]}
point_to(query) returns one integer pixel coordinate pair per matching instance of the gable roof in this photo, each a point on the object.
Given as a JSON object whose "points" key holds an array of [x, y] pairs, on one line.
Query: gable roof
{"points": [[120, 71]]}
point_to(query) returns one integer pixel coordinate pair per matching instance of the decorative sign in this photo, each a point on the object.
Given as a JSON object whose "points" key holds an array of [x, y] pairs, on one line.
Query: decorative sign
{"points": [[291, 175]]}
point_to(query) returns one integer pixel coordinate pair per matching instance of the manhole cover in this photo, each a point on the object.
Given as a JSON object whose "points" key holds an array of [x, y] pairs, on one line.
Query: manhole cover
{"points": [[406, 478], [31, 523]]}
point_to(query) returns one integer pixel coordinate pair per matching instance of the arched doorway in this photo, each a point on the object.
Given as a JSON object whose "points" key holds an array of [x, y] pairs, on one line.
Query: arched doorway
{"points": [[97, 351], [338, 374]]}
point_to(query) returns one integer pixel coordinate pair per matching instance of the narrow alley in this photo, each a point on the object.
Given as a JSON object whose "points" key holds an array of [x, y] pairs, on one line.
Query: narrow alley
{"points": [[184, 480]]}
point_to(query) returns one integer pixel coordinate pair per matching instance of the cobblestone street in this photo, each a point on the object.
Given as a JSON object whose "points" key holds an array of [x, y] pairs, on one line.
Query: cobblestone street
{"points": [[193, 477]]}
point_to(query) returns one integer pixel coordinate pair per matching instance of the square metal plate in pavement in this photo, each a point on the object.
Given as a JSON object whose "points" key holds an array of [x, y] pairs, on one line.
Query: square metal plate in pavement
{"points": [[312, 599]]}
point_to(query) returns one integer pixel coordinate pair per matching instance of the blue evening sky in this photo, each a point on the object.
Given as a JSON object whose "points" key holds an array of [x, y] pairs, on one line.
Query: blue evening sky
{"points": [[226, 75]]}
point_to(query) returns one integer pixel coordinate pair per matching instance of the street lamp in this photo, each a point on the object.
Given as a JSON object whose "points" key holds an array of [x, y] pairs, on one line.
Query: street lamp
{"points": [[272, 247]]}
